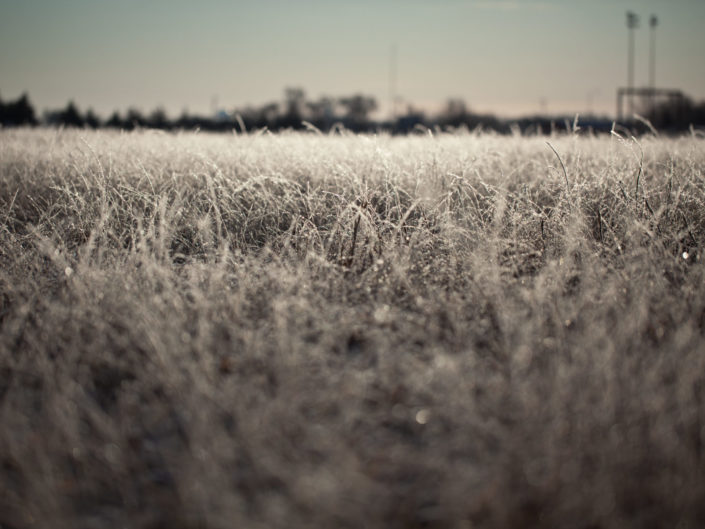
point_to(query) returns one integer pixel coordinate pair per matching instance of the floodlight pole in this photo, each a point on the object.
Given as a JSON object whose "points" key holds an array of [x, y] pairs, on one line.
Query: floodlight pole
{"points": [[393, 83], [632, 22], [653, 22]]}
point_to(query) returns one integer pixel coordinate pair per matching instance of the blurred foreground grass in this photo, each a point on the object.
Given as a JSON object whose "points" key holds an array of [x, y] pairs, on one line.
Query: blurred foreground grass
{"points": [[351, 331]]}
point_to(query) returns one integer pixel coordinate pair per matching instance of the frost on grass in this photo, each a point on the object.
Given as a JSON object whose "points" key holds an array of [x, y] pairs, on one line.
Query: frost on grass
{"points": [[350, 331]]}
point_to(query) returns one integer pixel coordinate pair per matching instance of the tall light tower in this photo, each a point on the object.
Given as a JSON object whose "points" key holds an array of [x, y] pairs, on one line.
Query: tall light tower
{"points": [[632, 23], [653, 22], [393, 83]]}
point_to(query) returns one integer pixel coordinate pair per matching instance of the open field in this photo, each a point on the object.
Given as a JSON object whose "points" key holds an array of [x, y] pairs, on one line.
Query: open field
{"points": [[351, 331]]}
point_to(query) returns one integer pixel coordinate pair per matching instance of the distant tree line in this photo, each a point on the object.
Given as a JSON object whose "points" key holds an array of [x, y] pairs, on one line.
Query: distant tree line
{"points": [[18, 112], [353, 113]]}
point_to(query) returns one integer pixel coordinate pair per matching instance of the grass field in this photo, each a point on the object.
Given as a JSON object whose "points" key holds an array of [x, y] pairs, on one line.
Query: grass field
{"points": [[304, 330]]}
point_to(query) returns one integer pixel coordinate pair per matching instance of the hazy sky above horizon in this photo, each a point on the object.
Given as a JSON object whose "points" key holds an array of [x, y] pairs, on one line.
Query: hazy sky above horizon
{"points": [[505, 56]]}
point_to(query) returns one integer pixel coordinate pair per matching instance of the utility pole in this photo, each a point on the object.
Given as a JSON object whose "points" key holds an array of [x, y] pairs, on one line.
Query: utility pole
{"points": [[653, 22], [543, 106], [214, 105], [393, 84], [632, 23], [590, 99]]}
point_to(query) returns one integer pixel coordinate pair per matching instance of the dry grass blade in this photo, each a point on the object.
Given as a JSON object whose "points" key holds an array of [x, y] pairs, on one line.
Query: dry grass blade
{"points": [[565, 173]]}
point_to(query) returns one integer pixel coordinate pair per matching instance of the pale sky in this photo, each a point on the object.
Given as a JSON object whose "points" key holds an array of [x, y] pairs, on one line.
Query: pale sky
{"points": [[509, 57]]}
